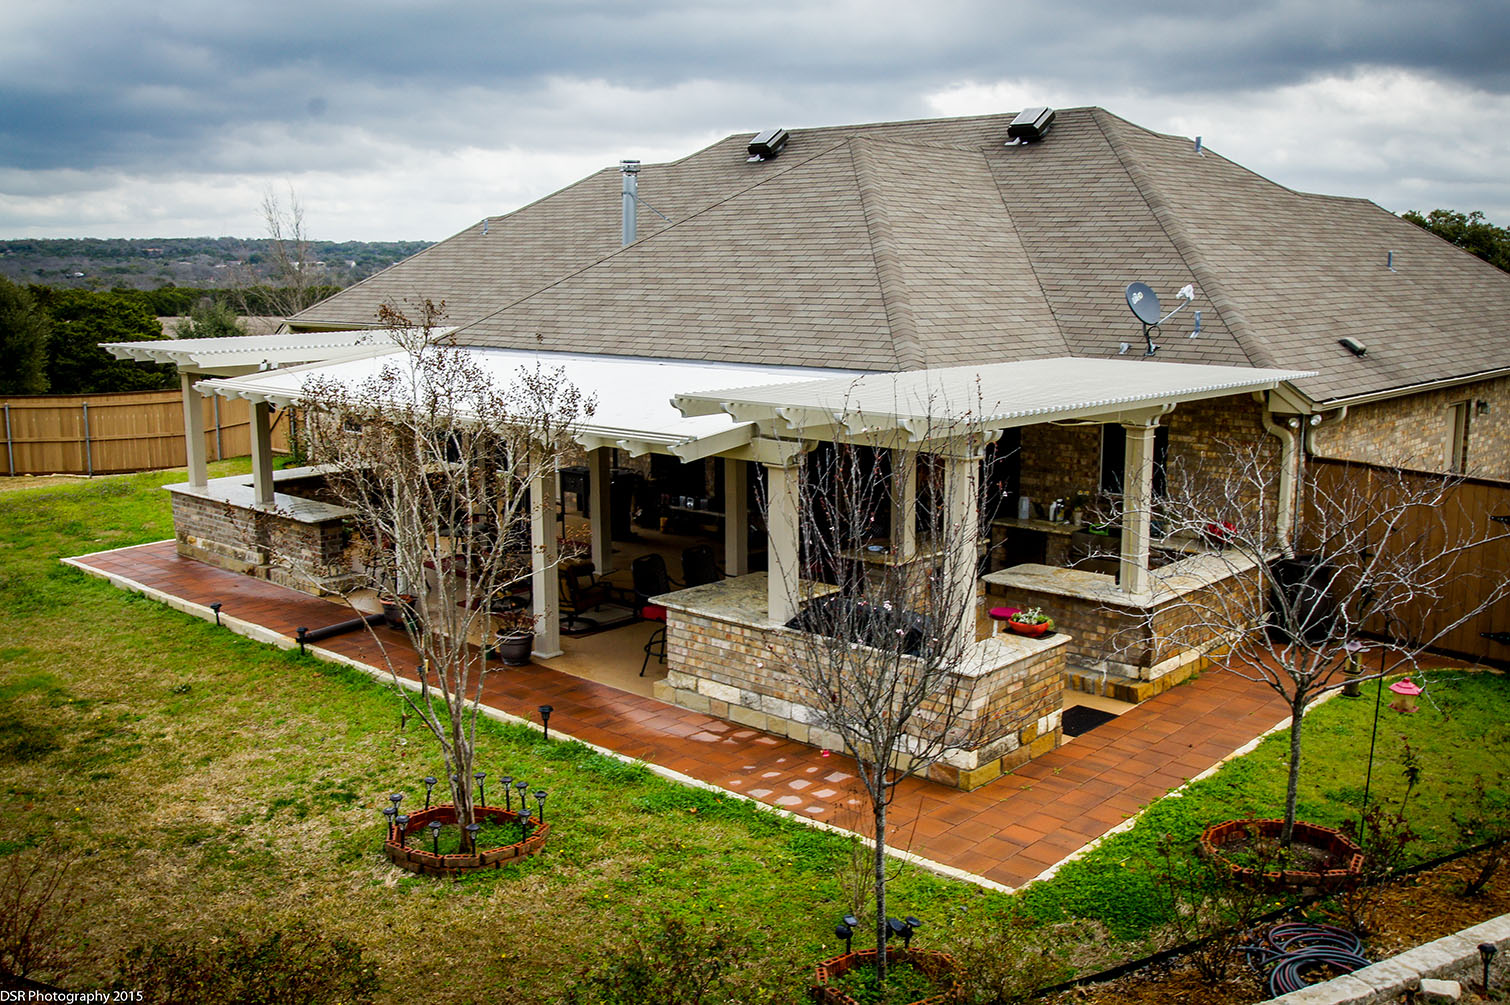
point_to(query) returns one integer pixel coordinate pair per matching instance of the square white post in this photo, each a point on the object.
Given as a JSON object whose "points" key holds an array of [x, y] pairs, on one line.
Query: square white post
{"points": [[544, 555], [194, 431], [1137, 505], [598, 481], [783, 530], [262, 453], [962, 497], [736, 517], [904, 504]]}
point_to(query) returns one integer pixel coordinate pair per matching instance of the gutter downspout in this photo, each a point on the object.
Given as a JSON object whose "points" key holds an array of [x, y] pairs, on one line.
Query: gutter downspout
{"points": [[1284, 523]]}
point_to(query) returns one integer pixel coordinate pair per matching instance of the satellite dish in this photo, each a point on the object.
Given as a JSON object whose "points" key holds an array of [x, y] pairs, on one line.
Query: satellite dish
{"points": [[1144, 302]]}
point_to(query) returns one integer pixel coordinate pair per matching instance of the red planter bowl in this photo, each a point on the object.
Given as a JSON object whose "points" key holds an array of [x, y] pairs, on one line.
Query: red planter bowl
{"points": [[1031, 631]]}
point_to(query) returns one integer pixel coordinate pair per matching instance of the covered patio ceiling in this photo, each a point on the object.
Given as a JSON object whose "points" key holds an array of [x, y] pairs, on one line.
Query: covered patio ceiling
{"points": [[936, 404], [634, 410]]}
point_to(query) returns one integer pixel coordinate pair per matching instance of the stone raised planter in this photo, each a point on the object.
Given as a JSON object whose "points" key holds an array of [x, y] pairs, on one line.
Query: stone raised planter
{"points": [[1343, 857], [413, 856], [938, 966]]}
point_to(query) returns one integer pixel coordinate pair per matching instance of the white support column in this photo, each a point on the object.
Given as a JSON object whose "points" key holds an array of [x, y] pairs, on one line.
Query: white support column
{"points": [[194, 430], [962, 497], [544, 557], [262, 453], [736, 517], [904, 504], [783, 530], [1137, 505], [599, 477]]}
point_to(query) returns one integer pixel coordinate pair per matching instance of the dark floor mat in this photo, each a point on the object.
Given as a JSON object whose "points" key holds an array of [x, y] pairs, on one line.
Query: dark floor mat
{"points": [[1081, 719]]}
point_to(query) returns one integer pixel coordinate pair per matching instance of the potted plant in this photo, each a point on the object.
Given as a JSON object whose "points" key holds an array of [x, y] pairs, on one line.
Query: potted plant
{"points": [[514, 638], [397, 607], [1032, 623]]}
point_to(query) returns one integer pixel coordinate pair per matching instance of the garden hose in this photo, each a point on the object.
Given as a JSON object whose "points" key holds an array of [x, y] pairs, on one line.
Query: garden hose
{"points": [[1294, 951]]}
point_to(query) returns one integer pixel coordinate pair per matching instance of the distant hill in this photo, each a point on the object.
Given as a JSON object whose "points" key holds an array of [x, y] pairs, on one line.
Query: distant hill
{"points": [[206, 262]]}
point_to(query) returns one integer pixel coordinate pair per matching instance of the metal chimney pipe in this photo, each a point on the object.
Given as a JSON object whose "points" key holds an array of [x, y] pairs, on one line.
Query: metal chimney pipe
{"points": [[630, 171]]}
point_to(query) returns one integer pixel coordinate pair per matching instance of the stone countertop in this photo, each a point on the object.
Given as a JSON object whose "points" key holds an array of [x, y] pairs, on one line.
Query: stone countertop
{"points": [[236, 490], [1168, 582], [741, 600]]}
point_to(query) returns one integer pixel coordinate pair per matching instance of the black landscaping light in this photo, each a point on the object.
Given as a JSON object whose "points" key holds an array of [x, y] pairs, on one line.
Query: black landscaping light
{"points": [[545, 719], [1487, 951], [216, 608], [482, 793], [540, 795], [390, 813], [524, 823], [435, 826], [846, 933], [395, 798], [909, 926], [429, 788], [302, 631], [403, 827], [521, 785], [472, 829], [508, 803], [893, 927]]}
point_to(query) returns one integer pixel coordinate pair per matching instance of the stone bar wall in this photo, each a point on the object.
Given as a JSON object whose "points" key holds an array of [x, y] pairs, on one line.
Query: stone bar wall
{"points": [[228, 536], [724, 660]]}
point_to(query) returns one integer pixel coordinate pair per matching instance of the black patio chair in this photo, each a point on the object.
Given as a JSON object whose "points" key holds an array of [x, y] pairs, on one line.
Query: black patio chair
{"points": [[700, 566], [651, 580]]}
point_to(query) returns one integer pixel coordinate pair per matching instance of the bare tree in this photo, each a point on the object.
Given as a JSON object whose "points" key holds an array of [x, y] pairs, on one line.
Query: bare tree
{"points": [[436, 463], [290, 283], [1377, 550], [885, 643]]}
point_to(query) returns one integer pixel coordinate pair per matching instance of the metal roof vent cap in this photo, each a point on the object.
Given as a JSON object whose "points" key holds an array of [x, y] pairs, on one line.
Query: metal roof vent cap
{"points": [[1030, 126], [766, 146]]}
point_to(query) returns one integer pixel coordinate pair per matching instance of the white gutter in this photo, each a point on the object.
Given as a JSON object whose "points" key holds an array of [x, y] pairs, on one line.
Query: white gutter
{"points": [[1396, 392]]}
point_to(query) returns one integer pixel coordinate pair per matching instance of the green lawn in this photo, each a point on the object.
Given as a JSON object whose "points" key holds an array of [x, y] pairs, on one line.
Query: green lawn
{"points": [[210, 783]]}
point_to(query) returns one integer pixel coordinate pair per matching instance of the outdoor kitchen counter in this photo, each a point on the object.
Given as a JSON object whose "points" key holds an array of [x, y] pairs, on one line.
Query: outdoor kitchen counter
{"points": [[741, 600], [1174, 580]]}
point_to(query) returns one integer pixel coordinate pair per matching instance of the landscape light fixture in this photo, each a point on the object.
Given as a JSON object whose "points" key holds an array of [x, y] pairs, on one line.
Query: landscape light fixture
{"points": [[911, 925], [472, 829], [396, 798], [507, 798], [522, 786], [540, 795], [435, 826], [402, 820], [301, 633], [545, 719], [390, 813], [524, 823], [430, 781], [846, 933], [482, 792], [216, 608], [1487, 951]]}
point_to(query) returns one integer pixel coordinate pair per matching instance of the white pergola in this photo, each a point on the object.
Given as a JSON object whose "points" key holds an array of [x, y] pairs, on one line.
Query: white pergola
{"points": [[693, 409]]}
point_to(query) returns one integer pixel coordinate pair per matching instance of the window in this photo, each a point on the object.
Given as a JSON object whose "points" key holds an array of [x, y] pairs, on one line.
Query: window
{"points": [[1457, 432]]}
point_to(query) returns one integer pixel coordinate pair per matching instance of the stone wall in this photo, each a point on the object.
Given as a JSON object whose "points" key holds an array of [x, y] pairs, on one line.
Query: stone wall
{"points": [[1415, 431], [738, 671], [229, 537]]}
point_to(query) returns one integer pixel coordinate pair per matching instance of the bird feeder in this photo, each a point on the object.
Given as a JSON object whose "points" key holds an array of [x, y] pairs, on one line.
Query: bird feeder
{"points": [[1407, 690]]}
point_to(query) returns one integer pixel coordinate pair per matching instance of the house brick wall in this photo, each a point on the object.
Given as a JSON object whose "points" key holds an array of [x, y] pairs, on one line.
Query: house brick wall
{"points": [[740, 672], [1415, 431], [228, 537]]}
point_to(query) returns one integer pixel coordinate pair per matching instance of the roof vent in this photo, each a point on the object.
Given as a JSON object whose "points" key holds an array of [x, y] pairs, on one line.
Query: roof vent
{"points": [[1031, 125], [767, 145], [1353, 346]]}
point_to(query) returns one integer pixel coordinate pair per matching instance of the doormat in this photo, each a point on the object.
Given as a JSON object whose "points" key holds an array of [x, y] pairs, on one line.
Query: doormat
{"points": [[599, 619], [1081, 719]]}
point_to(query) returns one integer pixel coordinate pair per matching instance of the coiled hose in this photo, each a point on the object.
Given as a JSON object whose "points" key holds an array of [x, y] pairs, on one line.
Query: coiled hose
{"points": [[1296, 954]]}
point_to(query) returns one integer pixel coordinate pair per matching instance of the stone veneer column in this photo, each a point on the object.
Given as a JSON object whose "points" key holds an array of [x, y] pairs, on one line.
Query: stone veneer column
{"points": [[194, 430], [736, 517], [599, 478], [783, 530], [544, 554], [1137, 505], [262, 453]]}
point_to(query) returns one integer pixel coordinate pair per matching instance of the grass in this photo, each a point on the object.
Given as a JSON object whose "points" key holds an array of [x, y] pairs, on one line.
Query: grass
{"points": [[206, 779]]}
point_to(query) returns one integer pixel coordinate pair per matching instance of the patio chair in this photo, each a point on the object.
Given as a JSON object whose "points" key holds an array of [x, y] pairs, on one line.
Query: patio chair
{"points": [[699, 566], [651, 580], [581, 592]]}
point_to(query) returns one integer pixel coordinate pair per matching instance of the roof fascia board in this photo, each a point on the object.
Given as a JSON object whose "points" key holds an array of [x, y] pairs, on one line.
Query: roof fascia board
{"points": [[1327, 404]]}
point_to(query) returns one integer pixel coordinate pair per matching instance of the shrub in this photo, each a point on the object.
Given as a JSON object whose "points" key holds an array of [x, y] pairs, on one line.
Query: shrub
{"points": [[671, 965]]}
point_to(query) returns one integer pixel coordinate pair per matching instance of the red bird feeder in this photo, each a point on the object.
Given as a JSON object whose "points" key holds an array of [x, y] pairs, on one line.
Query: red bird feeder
{"points": [[1407, 690]]}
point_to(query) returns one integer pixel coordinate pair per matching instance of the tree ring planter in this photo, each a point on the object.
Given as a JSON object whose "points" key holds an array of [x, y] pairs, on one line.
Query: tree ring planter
{"points": [[415, 858], [939, 967], [1342, 858]]}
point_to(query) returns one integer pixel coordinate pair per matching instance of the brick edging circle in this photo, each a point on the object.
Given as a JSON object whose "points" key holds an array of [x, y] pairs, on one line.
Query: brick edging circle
{"points": [[414, 858], [938, 966], [1213, 839]]}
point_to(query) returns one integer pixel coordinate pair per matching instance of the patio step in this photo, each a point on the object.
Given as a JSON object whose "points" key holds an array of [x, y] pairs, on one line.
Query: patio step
{"points": [[1109, 685]]}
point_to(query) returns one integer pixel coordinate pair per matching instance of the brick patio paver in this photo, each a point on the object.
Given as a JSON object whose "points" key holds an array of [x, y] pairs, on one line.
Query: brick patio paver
{"points": [[1008, 832]]}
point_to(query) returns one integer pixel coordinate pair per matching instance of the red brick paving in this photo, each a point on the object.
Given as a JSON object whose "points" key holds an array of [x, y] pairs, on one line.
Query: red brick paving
{"points": [[1008, 831]]}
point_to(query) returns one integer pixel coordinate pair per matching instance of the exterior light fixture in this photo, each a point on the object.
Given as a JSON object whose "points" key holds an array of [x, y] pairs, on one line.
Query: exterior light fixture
{"points": [[435, 826], [472, 829], [216, 608], [846, 933], [482, 793], [524, 823], [1487, 951], [507, 798], [540, 795], [396, 798], [301, 633], [545, 719], [402, 822], [522, 785], [429, 788], [390, 813]]}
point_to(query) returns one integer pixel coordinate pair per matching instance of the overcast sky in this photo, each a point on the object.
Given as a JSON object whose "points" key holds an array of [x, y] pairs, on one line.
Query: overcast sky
{"points": [[394, 119]]}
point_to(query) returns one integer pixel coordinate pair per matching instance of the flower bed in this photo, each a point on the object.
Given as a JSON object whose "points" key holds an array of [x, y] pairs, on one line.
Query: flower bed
{"points": [[939, 967], [411, 855], [1336, 861]]}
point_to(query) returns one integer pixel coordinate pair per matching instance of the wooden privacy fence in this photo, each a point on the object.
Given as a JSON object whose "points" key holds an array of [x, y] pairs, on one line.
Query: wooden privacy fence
{"points": [[1474, 508], [95, 434]]}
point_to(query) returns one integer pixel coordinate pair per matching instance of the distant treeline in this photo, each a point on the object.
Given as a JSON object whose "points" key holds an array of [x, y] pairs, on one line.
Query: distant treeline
{"points": [[49, 337], [213, 262]]}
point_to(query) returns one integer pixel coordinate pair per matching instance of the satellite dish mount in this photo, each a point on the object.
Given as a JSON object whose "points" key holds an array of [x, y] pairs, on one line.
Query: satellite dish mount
{"points": [[1145, 307]]}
